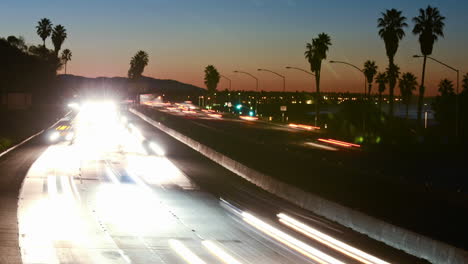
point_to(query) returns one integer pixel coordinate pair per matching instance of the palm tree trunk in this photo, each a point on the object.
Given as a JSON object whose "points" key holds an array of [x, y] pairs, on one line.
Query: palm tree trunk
{"points": [[65, 68], [390, 89], [421, 92], [370, 88], [317, 97]]}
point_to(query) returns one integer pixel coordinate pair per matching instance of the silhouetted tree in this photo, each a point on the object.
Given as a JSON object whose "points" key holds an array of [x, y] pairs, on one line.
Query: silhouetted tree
{"points": [[391, 26], [66, 57], [408, 84], [429, 25], [381, 80], [211, 78], [44, 29], [444, 103], [370, 69], [58, 37], [316, 51], [138, 64], [465, 83], [27, 70], [463, 108], [17, 42]]}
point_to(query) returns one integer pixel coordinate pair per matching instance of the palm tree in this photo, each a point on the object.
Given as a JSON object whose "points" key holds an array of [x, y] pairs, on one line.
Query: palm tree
{"points": [[211, 78], [429, 25], [391, 26], [58, 37], [66, 57], [138, 64], [382, 80], [370, 69], [465, 84], [44, 29], [315, 53], [408, 84]]}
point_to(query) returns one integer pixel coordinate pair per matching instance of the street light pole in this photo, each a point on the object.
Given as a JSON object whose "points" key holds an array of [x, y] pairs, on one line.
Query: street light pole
{"points": [[356, 67], [458, 83], [256, 86], [282, 76], [365, 88], [228, 80]]}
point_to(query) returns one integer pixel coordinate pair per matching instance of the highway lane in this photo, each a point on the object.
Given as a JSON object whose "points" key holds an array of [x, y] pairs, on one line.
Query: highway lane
{"points": [[110, 197], [246, 196]]}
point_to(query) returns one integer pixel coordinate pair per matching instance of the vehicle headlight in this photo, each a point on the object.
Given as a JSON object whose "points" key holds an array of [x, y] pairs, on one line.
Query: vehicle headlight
{"points": [[69, 136], [54, 136]]}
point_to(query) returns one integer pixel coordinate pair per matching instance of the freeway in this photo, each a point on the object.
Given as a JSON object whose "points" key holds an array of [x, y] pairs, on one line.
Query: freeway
{"points": [[420, 190], [123, 192]]}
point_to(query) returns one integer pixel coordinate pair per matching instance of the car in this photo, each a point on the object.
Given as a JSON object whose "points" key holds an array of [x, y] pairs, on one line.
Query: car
{"points": [[62, 131]]}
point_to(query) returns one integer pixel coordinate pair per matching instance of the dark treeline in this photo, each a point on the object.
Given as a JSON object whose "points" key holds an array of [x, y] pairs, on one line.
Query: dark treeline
{"points": [[26, 69]]}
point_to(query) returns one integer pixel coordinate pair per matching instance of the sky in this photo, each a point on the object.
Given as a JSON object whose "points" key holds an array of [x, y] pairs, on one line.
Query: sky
{"points": [[184, 36]]}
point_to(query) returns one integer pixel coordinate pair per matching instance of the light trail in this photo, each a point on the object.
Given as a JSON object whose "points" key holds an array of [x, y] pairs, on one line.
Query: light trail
{"points": [[185, 253], [307, 127], [299, 246], [249, 118], [351, 144], [339, 143], [329, 241], [220, 253], [321, 146]]}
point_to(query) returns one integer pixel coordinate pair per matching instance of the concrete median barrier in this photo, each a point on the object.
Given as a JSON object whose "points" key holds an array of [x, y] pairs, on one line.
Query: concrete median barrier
{"points": [[394, 236]]}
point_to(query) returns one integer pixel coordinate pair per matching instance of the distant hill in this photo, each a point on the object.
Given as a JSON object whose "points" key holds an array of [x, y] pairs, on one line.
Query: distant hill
{"points": [[121, 85]]}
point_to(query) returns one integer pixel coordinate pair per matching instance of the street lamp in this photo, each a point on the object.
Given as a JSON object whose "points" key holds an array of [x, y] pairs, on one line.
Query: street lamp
{"points": [[228, 80], [365, 87], [458, 81], [256, 85], [299, 69], [256, 79], [356, 67], [282, 76]]}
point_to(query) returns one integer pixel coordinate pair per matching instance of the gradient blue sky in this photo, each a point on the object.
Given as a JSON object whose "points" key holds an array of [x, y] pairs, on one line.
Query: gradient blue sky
{"points": [[183, 36]]}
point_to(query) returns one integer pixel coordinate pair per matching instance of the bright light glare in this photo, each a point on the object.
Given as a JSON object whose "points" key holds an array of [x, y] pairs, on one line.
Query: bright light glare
{"points": [[54, 136], [185, 253], [69, 136], [157, 149], [290, 241], [329, 241], [220, 253], [74, 105]]}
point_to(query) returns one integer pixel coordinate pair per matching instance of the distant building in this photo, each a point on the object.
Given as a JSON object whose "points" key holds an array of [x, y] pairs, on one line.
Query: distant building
{"points": [[16, 101]]}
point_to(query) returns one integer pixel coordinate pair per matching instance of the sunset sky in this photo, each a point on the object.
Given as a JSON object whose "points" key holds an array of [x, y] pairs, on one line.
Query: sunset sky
{"points": [[183, 36]]}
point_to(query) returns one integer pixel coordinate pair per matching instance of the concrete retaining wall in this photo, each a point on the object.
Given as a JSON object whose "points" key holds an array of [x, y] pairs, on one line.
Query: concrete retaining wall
{"points": [[408, 241]]}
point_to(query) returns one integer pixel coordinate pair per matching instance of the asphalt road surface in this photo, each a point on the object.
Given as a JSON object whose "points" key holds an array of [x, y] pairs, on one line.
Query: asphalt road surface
{"points": [[420, 190], [124, 192]]}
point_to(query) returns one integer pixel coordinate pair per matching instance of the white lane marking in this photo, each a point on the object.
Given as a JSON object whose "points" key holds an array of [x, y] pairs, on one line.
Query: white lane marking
{"points": [[185, 253], [52, 186], [219, 252], [290, 241], [321, 146], [329, 241]]}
